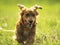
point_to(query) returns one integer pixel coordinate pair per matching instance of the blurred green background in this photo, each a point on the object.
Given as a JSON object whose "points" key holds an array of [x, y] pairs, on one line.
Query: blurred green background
{"points": [[48, 27]]}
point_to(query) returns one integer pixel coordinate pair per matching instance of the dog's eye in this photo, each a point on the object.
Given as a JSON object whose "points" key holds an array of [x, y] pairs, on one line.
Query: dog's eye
{"points": [[27, 15], [33, 15]]}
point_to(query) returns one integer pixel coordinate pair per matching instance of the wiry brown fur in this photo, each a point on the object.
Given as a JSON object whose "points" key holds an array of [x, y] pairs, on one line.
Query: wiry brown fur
{"points": [[26, 34]]}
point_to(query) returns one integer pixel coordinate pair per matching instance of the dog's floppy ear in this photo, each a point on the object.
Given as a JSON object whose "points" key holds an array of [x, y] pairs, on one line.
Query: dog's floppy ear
{"points": [[37, 7], [22, 7]]}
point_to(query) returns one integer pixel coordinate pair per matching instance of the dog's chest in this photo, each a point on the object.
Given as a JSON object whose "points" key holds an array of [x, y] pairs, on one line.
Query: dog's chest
{"points": [[26, 32]]}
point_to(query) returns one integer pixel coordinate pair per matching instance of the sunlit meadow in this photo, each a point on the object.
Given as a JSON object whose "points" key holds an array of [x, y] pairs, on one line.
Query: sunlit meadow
{"points": [[48, 21]]}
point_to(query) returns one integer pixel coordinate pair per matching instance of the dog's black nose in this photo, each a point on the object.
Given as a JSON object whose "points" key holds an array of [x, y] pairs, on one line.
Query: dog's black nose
{"points": [[30, 21]]}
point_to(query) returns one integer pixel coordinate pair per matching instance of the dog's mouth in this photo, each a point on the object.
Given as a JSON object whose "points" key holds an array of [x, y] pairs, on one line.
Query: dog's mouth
{"points": [[29, 25]]}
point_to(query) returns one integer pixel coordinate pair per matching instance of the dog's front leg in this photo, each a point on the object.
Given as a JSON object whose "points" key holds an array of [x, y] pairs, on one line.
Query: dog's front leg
{"points": [[30, 39]]}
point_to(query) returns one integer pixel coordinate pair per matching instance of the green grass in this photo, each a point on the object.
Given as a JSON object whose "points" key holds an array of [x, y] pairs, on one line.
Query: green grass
{"points": [[48, 26]]}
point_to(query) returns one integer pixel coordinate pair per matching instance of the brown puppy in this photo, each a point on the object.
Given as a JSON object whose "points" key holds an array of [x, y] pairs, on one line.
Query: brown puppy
{"points": [[26, 26]]}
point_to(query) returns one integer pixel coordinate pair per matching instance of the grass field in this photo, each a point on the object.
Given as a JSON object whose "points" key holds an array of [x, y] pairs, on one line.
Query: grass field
{"points": [[48, 26]]}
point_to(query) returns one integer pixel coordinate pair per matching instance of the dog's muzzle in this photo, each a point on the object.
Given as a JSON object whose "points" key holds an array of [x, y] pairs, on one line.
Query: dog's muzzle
{"points": [[30, 23]]}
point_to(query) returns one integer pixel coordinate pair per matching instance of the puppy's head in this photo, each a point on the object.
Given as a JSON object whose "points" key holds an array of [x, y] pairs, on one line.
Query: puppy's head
{"points": [[28, 15]]}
